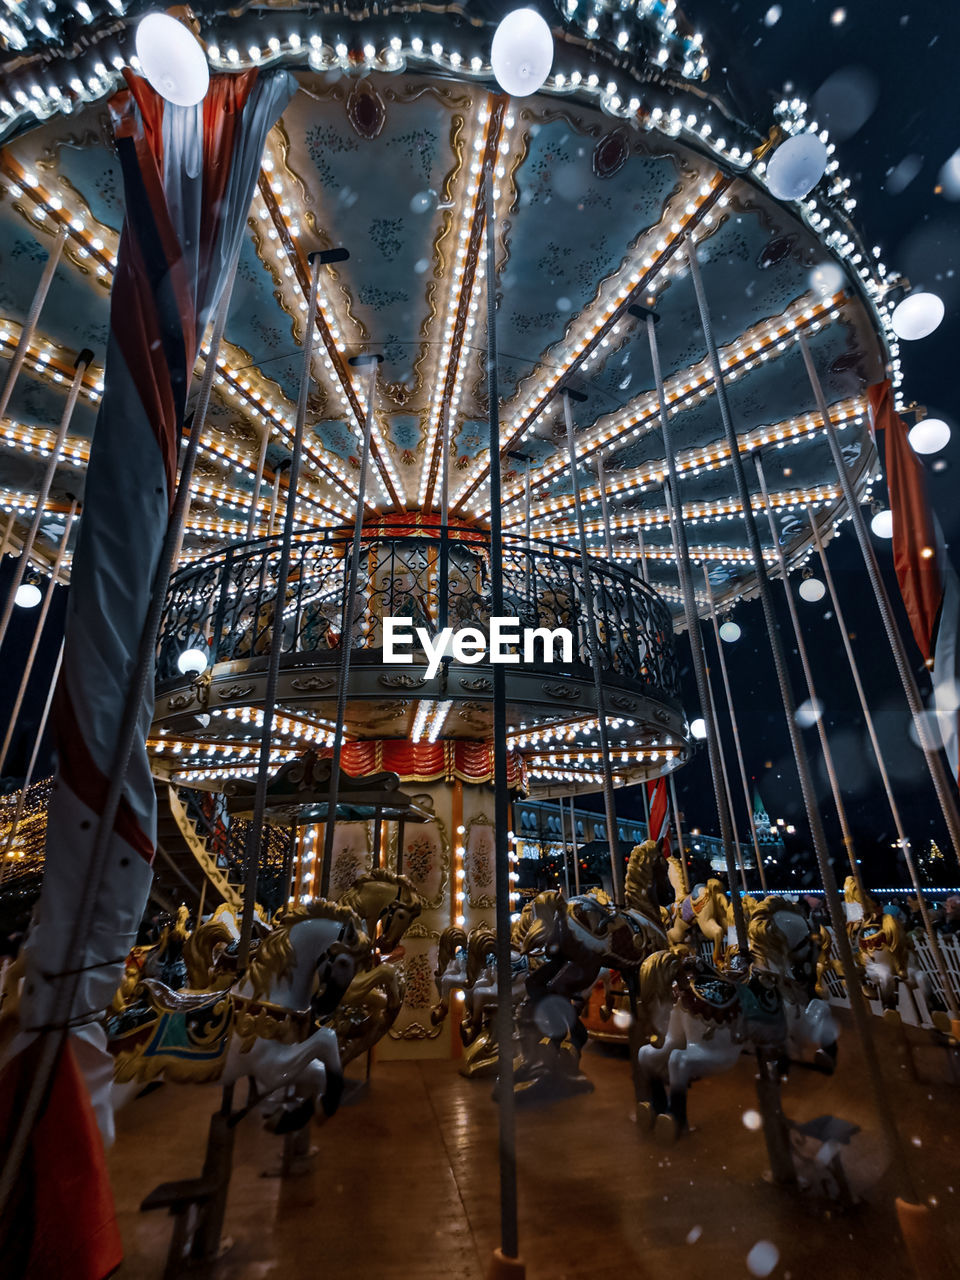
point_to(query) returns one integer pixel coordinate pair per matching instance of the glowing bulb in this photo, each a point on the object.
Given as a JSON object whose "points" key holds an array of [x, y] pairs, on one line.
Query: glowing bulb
{"points": [[917, 316], [172, 59], [192, 662], [930, 435], [730, 632], [522, 52], [882, 524], [28, 596], [698, 728], [812, 590], [796, 166]]}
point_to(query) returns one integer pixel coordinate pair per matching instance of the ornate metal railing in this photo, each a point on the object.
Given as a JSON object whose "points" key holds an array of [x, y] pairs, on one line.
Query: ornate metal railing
{"points": [[225, 602]]}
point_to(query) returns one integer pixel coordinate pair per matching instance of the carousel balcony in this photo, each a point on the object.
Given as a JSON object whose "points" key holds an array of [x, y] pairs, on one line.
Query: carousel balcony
{"points": [[223, 604]]}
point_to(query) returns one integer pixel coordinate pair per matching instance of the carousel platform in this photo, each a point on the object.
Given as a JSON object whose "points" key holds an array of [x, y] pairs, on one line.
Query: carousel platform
{"points": [[404, 1187]]}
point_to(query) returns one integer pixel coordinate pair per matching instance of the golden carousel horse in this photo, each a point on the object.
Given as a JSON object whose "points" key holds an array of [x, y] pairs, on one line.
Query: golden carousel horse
{"points": [[698, 1021], [388, 904], [706, 907], [886, 954], [264, 1025]]}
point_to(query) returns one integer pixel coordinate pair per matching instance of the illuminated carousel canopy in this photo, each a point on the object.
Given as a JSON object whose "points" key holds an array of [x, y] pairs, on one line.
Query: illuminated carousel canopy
{"points": [[622, 157]]}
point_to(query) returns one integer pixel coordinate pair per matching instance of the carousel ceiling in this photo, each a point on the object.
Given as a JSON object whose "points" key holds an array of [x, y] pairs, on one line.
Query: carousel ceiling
{"points": [[380, 152]]}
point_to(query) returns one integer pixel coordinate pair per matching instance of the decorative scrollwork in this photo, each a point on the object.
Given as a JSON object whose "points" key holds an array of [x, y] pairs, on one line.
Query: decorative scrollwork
{"points": [[236, 691], [566, 692], [311, 684], [399, 680], [480, 684]]}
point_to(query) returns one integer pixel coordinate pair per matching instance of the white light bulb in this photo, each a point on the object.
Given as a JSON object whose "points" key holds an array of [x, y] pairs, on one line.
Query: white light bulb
{"points": [[192, 662], [172, 59], [730, 632], [812, 590], [28, 596], [796, 166], [698, 728], [917, 316], [522, 52], [930, 435], [882, 524]]}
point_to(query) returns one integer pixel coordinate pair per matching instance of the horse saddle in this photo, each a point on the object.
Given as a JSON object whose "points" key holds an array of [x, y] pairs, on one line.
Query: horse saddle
{"points": [[166, 1000], [711, 997]]}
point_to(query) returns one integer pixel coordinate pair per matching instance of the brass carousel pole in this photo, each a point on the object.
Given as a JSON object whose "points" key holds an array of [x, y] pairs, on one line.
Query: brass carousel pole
{"points": [[841, 808], [902, 839], [370, 363], [35, 644], [943, 784], [254, 843], [593, 648], [685, 875], [738, 851], [80, 368], [858, 1006], [681, 552], [33, 315], [507, 1258], [735, 726], [257, 481]]}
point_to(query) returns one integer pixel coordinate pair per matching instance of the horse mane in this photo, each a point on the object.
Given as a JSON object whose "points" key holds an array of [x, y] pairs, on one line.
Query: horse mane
{"points": [[639, 877], [765, 936], [353, 897], [199, 948], [656, 976], [274, 957], [895, 936], [481, 942], [452, 940]]}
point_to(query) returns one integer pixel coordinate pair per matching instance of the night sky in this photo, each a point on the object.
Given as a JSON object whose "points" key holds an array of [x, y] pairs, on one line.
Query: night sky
{"points": [[879, 76]]}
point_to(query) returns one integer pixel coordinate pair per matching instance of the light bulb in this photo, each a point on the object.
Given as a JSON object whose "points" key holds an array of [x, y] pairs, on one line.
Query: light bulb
{"points": [[192, 662], [28, 596], [698, 728], [172, 59], [917, 316], [882, 524], [812, 590], [522, 52], [730, 632], [796, 166], [930, 435]]}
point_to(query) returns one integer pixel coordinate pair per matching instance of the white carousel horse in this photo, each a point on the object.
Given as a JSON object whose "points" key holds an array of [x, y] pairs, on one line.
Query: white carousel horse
{"points": [[885, 950], [702, 1022], [262, 1026]]}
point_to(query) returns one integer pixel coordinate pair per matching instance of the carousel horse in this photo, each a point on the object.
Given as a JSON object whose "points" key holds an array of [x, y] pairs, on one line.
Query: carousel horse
{"points": [[702, 1021], [706, 907], [466, 963], [886, 953], [262, 1026], [210, 952], [388, 904]]}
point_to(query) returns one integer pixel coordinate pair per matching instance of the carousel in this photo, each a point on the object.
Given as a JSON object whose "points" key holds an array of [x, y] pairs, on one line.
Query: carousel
{"points": [[399, 405]]}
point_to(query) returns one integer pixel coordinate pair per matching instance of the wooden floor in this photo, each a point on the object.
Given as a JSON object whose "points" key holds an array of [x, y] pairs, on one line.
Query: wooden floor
{"points": [[404, 1184]]}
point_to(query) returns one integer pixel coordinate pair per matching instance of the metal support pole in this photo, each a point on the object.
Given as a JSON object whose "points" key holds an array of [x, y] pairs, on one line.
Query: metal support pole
{"points": [[257, 481], [828, 761], [377, 838], [943, 784], [676, 822], [254, 843], [858, 1007], [902, 839], [566, 851], [509, 1228], [38, 631], [33, 315], [747, 799], [642, 548], [527, 533], [83, 360], [604, 508], [274, 499], [370, 362], [574, 850], [737, 851], [443, 590], [609, 804], [681, 551], [401, 836], [7, 530]]}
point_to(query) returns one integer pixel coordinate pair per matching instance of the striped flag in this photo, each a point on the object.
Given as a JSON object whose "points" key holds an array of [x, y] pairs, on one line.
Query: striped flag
{"points": [[188, 178], [926, 577], [659, 827]]}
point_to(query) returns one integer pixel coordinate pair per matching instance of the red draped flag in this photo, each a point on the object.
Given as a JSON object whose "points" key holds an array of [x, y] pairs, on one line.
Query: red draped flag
{"points": [[926, 577], [188, 174], [659, 826]]}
